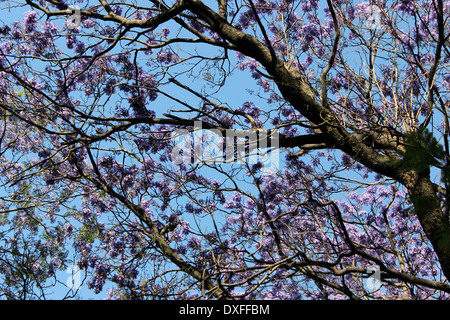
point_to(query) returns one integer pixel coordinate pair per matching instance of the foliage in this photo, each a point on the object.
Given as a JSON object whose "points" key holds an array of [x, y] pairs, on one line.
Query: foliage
{"points": [[358, 92]]}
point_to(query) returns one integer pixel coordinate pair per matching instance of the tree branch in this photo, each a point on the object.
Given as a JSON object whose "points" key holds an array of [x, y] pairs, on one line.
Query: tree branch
{"points": [[323, 75]]}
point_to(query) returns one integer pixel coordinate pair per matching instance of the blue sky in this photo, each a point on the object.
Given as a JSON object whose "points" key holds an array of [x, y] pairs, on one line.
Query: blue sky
{"points": [[234, 93]]}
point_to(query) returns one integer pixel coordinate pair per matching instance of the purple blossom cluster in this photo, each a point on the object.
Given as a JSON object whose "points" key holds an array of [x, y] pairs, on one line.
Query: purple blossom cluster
{"points": [[315, 224], [30, 21], [167, 57], [85, 161]]}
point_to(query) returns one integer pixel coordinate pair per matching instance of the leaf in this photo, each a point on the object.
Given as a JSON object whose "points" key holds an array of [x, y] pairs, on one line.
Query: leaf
{"points": [[88, 233], [422, 150]]}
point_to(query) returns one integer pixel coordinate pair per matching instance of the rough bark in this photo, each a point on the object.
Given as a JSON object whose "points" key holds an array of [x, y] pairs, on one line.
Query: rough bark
{"points": [[433, 219]]}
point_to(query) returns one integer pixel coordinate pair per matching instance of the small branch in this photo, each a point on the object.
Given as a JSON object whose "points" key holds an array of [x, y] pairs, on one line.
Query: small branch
{"points": [[223, 8], [153, 22], [216, 105], [437, 59], [263, 30], [323, 75]]}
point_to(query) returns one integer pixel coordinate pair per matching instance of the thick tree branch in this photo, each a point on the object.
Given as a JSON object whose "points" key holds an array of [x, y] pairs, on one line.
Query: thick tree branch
{"points": [[296, 90], [151, 23]]}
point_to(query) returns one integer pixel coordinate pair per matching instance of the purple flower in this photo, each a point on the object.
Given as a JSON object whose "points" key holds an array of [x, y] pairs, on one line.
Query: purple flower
{"points": [[69, 228], [165, 31], [246, 19], [148, 83], [49, 28], [189, 207], [54, 264], [117, 10], [310, 5], [250, 63], [346, 160], [30, 21], [6, 47], [194, 243], [16, 32], [70, 41], [309, 32], [167, 57], [88, 23], [249, 108], [80, 47], [265, 84], [234, 202], [197, 25], [427, 58], [406, 6], [5, 30], [308, 61]]}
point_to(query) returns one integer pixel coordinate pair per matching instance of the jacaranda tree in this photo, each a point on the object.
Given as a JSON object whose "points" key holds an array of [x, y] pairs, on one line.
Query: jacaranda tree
{"points": [[343, 104]]}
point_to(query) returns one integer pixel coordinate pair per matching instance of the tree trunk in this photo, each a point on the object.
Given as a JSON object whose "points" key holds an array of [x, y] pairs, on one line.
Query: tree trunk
{"points": [[432, 217]]}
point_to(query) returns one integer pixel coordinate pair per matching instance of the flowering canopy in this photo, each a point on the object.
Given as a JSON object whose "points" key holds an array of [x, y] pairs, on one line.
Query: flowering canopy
{"points": [[358, 91]]}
